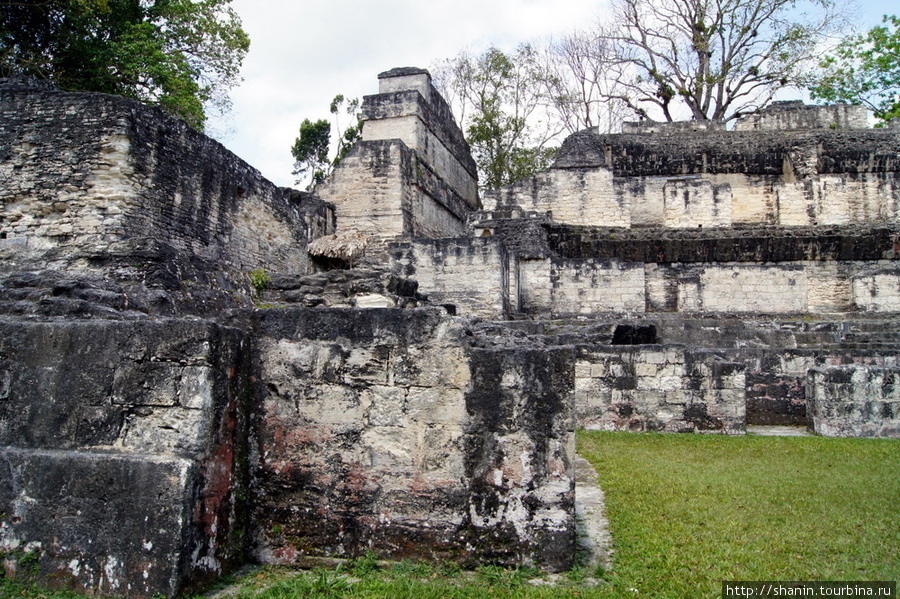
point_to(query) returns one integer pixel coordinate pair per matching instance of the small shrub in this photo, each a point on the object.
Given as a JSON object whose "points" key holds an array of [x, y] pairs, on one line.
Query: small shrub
{"points": [[260, 280]]}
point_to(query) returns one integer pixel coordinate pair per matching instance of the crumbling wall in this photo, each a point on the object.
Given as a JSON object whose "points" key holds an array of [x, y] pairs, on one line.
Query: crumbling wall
{"points": [[791, 115], [718, 375], [92, 175], [124, 462], [854, 401], [690, 179], [381, 430], [653, 388], [562, 270], [441, 265]]}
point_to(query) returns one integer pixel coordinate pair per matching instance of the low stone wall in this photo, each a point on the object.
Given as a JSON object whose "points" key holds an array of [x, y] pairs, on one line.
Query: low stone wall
{"points": [[654, 388], [380, 430], [124, 460], [854, 401]]}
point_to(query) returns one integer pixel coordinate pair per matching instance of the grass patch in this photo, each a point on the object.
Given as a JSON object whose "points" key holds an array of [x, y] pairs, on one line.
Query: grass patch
{"points": [[689, 511], [686, 512]]}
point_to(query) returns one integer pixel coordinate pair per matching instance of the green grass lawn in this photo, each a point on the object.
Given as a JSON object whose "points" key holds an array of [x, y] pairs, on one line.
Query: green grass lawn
{"points": [[686, 512]]}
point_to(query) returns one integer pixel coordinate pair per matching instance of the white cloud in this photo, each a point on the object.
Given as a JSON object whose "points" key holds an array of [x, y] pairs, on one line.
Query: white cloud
{"points": [[304, 52]]}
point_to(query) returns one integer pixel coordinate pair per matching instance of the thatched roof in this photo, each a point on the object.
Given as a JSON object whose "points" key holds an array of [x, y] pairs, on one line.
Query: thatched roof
{"points": [[349, 246]]}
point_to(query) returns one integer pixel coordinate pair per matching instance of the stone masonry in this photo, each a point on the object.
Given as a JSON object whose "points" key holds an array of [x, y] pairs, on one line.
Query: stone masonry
{"points": [[184, 389]]}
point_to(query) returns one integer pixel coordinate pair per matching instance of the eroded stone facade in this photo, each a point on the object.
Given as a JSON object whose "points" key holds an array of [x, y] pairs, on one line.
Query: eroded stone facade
{"points": [[183, 387]]}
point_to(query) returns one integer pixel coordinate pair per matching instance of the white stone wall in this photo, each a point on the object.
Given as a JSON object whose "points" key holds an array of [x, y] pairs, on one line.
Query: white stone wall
{"points": [[412, 131], [573, 196], [118, 185], [751, 288], [876, 291], [548, 287], [603, 286], [367, 191], [592, 196], [472, 274]]}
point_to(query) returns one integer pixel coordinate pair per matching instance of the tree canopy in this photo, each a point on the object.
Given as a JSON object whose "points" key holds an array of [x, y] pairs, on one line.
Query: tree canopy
{"points": [[715, 58], [502, 102], [312, 148], [182, 55], [864, 69]]}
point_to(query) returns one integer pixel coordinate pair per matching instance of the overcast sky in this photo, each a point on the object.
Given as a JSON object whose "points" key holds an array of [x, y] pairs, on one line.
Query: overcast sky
{"points": [[304, 52]]}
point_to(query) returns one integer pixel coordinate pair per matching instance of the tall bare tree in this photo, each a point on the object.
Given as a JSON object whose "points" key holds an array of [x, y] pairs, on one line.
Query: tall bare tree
{"points": [[717, 59], [582, 93]]}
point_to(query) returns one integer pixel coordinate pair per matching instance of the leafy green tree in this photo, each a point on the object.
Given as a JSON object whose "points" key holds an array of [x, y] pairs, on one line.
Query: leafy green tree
{"points": [[864, 69], [504, 107], [182, 55], [352, 133], [311, 150]]}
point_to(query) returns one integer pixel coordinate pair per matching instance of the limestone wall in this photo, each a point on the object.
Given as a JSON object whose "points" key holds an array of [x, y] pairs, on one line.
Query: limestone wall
{"points": [[794, 114], [412, 174], [472, 274], [595, 197], [835, 378], [83, 172], [123, 467], [655, 388], [381, 431], [716, 179]]}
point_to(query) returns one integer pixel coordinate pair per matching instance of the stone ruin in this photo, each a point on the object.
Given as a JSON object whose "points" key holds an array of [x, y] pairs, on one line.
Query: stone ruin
{"points": [[188, 380]]}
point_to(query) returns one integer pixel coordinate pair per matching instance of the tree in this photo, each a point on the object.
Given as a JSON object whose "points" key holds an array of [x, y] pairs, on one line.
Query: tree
{"points": [[503, 106], [717, 59], [311, 148], [310, 151], [582, 93], [181, 55], [864, 69]]}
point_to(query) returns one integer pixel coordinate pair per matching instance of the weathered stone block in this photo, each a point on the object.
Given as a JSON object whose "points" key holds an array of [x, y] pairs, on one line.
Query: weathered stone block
{"points": [[854, 401], [420, 447], [125, 452]]}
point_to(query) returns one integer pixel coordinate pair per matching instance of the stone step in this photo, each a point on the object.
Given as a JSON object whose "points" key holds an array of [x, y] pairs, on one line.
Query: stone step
{"points": [[592, 527], [778, 431]]}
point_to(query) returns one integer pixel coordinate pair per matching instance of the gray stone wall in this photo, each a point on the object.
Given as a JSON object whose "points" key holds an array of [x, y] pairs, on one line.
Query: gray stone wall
{"points": [[124, 460], [382, 430], [82, 174], [666, 389], [854, 401], [792, 115]]}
